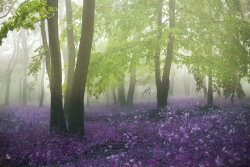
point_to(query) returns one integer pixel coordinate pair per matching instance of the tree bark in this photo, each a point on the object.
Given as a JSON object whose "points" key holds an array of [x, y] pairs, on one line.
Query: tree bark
{"points": [[76, 106], [121, 94], [57, 120], [71, 55], [131, 89], [42, 86]]}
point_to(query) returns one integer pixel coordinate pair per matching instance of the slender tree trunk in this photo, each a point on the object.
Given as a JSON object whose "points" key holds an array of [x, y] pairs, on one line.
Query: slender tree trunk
{"points": [[9, 71], [8, 83], [170, 49], [131, 89], [42, 86], [76, 106], [160, 99], [121, 94], [57, 120], [210, 89], [71, 55], [114, 95]]}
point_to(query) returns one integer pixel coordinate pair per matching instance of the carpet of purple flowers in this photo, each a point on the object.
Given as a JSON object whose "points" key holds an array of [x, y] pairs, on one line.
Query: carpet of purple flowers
{"points": [[184, 134]]}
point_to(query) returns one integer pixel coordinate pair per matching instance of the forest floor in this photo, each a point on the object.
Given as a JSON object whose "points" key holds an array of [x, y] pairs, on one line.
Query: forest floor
{"points": [[184, 134]]}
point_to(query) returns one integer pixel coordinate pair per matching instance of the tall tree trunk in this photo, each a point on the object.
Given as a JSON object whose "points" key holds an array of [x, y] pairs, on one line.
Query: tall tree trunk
{"points": [[57, 120], [9, 71], [114, 95], [8, 83], [76, 106], [160, 99], [163, 85], [121, 94], [71, 55], [42, 86], [210, 89], [170, 50], [131, 89]]}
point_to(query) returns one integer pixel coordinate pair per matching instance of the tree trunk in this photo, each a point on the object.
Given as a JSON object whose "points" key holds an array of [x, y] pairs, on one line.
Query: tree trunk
{"points": [[76, 106], [160, 99], [170, 49], [71, 55], [163, 85], [131, 89], [121, 94], [57, 120], [42, 86], [8, 82], [210, 89], [9, 71], [114, 95]]}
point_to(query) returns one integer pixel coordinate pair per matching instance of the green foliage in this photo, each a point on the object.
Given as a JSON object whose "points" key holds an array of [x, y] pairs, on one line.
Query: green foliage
{"points": [[36, 61], [26, 15], [220, 40]]}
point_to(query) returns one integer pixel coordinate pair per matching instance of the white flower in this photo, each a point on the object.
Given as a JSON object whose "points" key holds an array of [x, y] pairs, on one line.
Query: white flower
{"points": [[7, 156], [219, 161]]}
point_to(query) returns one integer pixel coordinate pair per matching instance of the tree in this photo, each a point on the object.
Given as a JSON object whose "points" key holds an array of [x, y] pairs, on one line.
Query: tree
{"points": [[9, 72], [57, 120], [162, 83], [76, 107], [71, 54]]}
